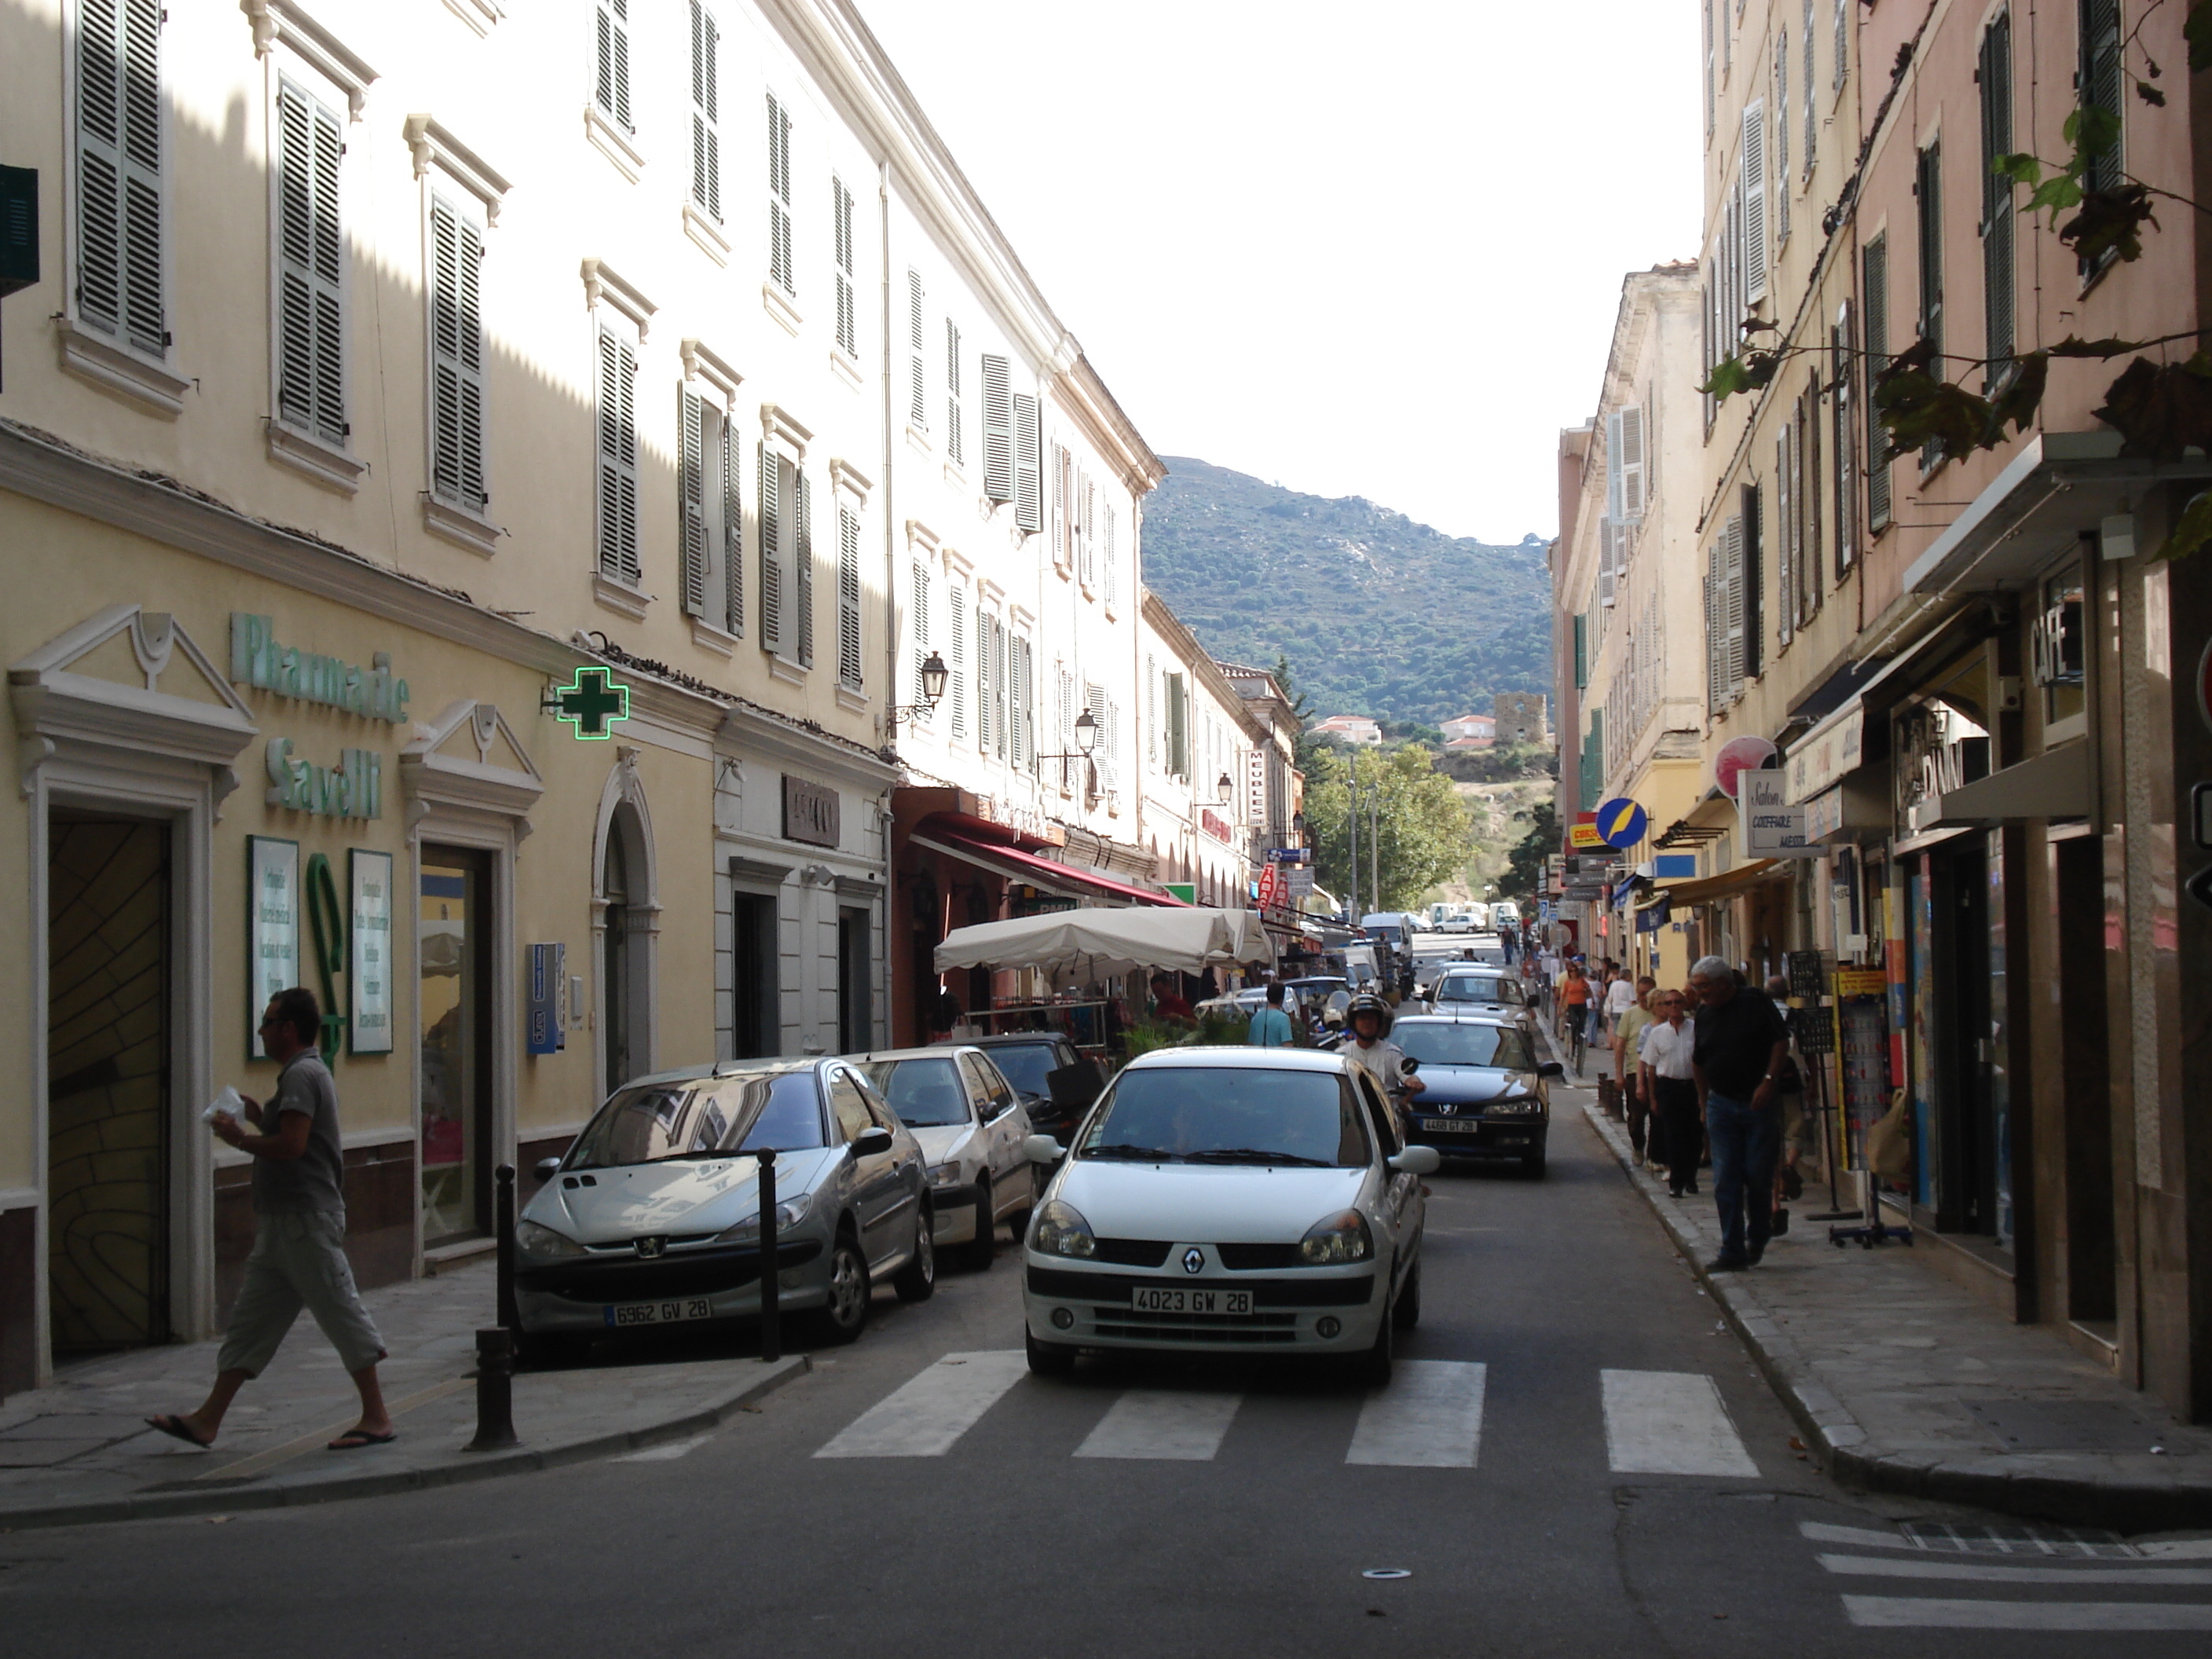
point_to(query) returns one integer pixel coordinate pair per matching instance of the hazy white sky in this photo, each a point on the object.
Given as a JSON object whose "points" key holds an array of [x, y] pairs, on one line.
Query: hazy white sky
{"points": [[1371, 250]]}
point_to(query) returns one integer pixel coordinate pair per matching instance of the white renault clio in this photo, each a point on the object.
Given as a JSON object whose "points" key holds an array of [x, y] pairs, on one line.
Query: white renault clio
{"points": [[1227, 1200]]}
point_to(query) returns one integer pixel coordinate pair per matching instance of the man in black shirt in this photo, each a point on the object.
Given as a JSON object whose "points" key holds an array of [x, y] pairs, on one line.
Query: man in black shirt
{"points": [[1741, 1046]]}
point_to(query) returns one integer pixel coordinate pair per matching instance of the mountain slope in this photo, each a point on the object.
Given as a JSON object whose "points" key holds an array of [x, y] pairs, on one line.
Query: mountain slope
{"points": [[1379, 615]]}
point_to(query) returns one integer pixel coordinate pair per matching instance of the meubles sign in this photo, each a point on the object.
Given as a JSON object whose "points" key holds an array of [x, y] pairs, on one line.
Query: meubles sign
{"points": [[1772, 827], [257, 659]]}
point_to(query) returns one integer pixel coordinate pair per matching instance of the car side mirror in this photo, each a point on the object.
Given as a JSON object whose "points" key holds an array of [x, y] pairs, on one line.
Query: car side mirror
{"points": [[1551, 1068], [1409, 1066], [1418, 1161], [545, 1168], [1042, 1149], [870, 1141]]}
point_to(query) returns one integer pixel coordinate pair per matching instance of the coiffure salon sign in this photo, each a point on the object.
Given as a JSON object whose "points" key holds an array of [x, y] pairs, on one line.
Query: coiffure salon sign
{"points": [[1772, 827]]}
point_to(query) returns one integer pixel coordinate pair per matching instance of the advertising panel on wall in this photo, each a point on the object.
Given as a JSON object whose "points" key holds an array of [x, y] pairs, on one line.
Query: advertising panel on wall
{"points": [[368, 975], [272, 926]]}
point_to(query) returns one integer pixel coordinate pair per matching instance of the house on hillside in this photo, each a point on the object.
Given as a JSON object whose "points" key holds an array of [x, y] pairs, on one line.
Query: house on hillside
{"points": [[1470, 726], [1349, 728], [1468, 744]]}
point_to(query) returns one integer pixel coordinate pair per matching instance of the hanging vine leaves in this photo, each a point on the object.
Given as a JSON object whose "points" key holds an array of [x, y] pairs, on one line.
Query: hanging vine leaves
{"points": [[2110, 222], [2161, 410]]}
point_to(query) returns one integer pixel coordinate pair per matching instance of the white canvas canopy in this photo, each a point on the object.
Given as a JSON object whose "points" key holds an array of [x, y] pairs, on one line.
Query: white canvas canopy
{"points": [[1185, 938]]}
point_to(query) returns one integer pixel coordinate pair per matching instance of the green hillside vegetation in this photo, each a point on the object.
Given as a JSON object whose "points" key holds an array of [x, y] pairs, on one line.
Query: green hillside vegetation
{"points": [[1379, 615]]}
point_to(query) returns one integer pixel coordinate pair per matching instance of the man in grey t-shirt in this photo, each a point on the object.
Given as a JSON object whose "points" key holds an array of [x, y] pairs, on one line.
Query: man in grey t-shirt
{"points": [[299, 1257]]}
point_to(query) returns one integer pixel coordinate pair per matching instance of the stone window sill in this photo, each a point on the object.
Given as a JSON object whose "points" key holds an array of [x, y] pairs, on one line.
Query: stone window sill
{"points": [[117, 368], [780, 306], [460, 526], [708, 637], [847, 369], [703, 231], [611, 142], [315, 458], [850, 698], [782, 668], [619, 597]]}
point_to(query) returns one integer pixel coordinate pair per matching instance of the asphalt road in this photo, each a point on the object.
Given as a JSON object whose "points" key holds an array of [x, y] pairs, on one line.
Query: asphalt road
{"points": [[1252, 1541]]}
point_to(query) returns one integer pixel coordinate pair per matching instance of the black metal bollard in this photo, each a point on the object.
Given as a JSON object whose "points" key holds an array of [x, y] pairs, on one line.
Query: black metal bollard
{"points": [[770, 1289], [494, 1390], [502, 1212]]}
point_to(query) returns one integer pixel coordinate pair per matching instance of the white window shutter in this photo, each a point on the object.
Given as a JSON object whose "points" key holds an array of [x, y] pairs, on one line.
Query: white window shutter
{"points": [[617, 537], [1632, 464], [955, 448], [778, 195], [1843, 21], [918, 623], [310, 267], [1058, 507], [1151, 712], [691, 499], [611, 85], [1716, 642], [1754, 203], [705, 113], [120, 287], [998, 429], [841, 220], [1112, 576], [457, 374], [803, 562], [775, 470], [1737, 596], [1811, 103], [733, 532], [917, 413], [1613, 510], [958, 687], [1029, 503], [1608, 534], [1001, 686], [1785, 527], [1781, 136], [986, 653], [848, 597]]}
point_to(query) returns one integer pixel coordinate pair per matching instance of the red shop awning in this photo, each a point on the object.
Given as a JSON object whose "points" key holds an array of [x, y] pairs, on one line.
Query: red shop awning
{"points": [[1018, 865]]}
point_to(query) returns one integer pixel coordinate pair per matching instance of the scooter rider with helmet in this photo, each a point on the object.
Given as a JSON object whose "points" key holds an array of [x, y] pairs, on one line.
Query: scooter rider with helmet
{"points": [[1370, 1048]]}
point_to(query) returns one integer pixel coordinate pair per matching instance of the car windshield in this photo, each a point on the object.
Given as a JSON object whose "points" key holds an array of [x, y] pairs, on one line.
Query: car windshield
{"points": [[1465, 1045], [700, 1117], [1478, 988], [1228, 1114], [1024, 1065], [924, 1093]]}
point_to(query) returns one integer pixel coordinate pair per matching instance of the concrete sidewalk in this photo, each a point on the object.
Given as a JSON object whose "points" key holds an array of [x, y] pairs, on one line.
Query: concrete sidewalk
{"points": [[1902, 1381], [79, 1450]]}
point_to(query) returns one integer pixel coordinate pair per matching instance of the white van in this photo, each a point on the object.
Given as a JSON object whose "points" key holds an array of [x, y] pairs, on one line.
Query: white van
{"points": [[1504, 913]]}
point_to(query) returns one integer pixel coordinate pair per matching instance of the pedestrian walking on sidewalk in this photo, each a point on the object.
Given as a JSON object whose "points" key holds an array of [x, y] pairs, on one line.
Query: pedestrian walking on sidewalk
{"points": [[1738, 1056], [1677, 1132], [1619, 998], [1271, 1026], [1627, 1038], [298, 1234]]}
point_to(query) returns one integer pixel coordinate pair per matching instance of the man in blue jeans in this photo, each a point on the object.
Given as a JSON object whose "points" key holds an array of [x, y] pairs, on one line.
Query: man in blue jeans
{"points": [[1739, 1051]]}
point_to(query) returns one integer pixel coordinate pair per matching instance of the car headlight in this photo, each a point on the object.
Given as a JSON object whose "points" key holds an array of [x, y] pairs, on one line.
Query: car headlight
{"points": [[943, 1177], [1336, 1239], [1060, 1229], [788, 1214], [532, 1239]]}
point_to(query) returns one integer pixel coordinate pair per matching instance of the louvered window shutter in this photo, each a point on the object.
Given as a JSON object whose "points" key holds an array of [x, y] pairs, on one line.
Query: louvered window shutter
{"points": [[1112, 574], [848, 597], [1754, 203], [1178, 728], [1781, 136], [1027, 731], [1029, 484], [310, 267], [1064, 723], [840, 219], [1812, 115], [119, 155], [1613, 507], [612, 87], [618, 558], [1998, 263], [705, 113], [986, 653], [1843, 30], [1785, 504], [917, 413], [1151, 712], [778, 195], [956, 449], [1608, 531], [958, 617], [1712, 73], [457, 376], [691, 498], [1810, 547], [1000, 699], [998, 429], [1843, 439], [1101, 755], [774, 472], [1716, 639], [803, 562], [733, 532], [1876, 329], [1632, 464], [1059, 507], [1086, 556], [918, 624], [2102, 79], [1737, 589]]}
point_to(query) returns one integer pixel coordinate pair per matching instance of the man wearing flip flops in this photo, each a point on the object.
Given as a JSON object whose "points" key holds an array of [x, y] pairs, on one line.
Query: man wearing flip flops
{"points": [[298, 1234]]}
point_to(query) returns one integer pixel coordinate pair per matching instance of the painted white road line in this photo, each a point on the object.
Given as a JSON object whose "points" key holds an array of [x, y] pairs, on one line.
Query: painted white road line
{"points": [[1904, 1613], [1864, 1538], [1163, 1423], [2178, 1549], [927, 1414], [1670, 1423], [667, 1453], [1982, 1572], [1429, 1418]]}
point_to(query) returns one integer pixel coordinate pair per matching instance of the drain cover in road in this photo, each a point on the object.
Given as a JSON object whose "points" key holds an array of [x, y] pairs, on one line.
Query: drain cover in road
{"points": [[2077, 1542]]}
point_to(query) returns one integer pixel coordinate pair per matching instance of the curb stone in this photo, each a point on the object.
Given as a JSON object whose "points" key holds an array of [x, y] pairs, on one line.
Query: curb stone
{"points": [[2008, 1486], [520, 1460]]}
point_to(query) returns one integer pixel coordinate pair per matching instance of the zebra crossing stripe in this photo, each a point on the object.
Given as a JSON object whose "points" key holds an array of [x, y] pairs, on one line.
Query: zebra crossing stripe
{"points": [[1670, 1423], [1430, 1417], [1987, 1572], [1905, 1612], [929, 1412], [1163, 1424]]}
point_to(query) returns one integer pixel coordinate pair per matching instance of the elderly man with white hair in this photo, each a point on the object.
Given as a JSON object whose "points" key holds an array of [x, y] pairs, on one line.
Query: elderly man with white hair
{"points": [[1737, 1059]]}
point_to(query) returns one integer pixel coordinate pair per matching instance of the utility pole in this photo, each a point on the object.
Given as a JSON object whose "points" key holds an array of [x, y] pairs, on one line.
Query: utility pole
{"points": [[1352, 912], [1375, 843]]}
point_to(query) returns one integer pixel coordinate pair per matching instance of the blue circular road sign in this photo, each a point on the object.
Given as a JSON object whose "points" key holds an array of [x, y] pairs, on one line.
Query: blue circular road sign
{"points": [[1622, 823]]}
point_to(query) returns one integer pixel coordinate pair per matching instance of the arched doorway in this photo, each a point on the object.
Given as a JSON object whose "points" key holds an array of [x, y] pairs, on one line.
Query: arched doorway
{"points": [[626, 915], [614, 966]]}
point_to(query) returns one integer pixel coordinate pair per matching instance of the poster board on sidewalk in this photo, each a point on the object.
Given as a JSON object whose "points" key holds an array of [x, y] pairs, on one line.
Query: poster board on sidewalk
{"points": [[1862, 1045]]}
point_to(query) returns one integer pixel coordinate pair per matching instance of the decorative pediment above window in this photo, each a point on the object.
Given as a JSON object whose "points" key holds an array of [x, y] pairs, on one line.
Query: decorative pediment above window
{"points": [[785, 433], [850, 481], [78, 690], [432, 146], [601, 284], [468, 760], [287, 21], [700, 364]]}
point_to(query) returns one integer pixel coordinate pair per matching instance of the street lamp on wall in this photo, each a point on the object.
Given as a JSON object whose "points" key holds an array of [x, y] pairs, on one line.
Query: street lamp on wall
{"points": [[1086, 739], [1226, 789], [934, 674]]}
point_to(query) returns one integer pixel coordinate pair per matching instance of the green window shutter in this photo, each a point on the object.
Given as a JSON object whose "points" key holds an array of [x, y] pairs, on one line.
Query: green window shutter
{"points": [[1581, 652], [1178, 728]]}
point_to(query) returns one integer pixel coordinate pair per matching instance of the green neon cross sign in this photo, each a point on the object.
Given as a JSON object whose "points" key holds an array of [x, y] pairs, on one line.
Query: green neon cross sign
{"points": [[591, 702]]}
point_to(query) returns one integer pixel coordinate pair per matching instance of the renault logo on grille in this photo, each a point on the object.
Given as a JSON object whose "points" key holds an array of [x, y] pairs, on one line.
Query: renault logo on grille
{"points": [[1194, 1261], [651, 1247]]}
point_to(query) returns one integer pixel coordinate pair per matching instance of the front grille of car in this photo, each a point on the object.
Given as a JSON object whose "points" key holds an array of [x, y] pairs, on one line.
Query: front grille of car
{"points": [[1134, 1251], [1245, 1328], [702, 1273], [1250, 1258], [1113, 1288]]}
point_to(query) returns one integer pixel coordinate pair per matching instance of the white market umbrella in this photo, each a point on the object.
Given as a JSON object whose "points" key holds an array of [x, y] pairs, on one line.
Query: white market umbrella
{"points": [[1182, 938]]}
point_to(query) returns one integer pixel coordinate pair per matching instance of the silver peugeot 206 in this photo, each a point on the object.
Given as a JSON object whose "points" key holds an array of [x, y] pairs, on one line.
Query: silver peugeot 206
{"points": [[651, 1217]]}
